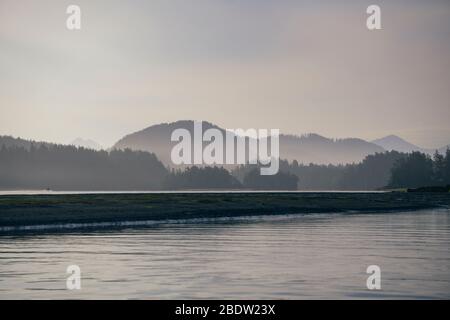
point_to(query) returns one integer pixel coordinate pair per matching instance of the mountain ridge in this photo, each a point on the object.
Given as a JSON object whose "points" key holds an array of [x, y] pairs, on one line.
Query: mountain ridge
{"points": [[394, 142], [305, 148], [310, 148]]}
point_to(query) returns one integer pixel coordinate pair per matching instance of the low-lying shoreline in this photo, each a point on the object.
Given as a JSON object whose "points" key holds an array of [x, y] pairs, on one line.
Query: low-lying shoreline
{"points": [[109, 209], [190, 191]]}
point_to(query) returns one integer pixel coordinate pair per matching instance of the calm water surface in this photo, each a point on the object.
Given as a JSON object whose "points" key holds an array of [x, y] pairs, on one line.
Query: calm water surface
{"points": [[288, 257]]}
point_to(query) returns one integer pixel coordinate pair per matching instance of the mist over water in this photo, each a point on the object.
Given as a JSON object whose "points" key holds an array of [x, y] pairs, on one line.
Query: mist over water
{"points": [[283, 257]]}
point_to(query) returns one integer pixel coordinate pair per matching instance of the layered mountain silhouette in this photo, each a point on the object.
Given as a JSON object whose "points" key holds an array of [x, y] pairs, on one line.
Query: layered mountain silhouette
{"points": [[310, 148], [29, 165], [26, 164], [313, 148], [393, 142], [156, 138]]}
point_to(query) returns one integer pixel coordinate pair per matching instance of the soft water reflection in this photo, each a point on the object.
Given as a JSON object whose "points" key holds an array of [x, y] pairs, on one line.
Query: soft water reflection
{"points": [[289, 257]]}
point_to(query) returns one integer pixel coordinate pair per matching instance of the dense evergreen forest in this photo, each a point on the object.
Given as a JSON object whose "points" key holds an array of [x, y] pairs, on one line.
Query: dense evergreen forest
{"points": [[280, 181], [419, 170], [60, 167], [201, 178], [220, 178], [379, 171], [372, 173]]}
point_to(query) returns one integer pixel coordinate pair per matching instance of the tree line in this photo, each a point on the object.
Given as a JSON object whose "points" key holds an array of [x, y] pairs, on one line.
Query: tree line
{"points": [[60, 167], [220, 178], [420, 170], [372, 173]]}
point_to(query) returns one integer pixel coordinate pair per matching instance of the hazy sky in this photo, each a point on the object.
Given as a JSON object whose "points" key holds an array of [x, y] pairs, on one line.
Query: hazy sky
{"points": [[300, 66]]}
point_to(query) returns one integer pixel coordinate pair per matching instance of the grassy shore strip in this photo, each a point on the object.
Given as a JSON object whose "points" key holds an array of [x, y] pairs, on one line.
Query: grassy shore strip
{"points": [[29, 210]]}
